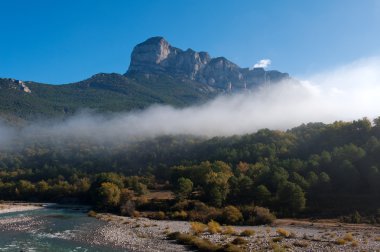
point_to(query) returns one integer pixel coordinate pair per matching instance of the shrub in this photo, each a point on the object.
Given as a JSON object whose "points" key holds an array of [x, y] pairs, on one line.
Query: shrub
{"points": [[263, 216], [348, 237], [301, 244], [229, 230], [278, 248], [193, 241], [255, 215], [127, 208], [282, 232], [231, 215], [277, 239], [181, 215], [214, 227], [247, 232], [91, 213], [239, 241], [231, 248], [354, 244], [340, 242], [198, 227]]}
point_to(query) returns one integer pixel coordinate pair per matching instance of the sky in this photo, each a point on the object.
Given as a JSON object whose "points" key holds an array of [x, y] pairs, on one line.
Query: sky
{"points": [[67, 41]]}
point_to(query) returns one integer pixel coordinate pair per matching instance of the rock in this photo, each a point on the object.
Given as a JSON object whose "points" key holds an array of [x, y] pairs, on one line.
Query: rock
{"points": [[157, 56]]}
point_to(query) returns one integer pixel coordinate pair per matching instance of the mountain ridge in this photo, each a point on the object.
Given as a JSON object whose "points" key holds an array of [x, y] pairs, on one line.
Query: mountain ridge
{"points": [[158, 74]]}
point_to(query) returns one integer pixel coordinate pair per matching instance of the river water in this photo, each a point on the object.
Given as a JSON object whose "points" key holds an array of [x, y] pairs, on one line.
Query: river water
{"points": [[51, 229]]}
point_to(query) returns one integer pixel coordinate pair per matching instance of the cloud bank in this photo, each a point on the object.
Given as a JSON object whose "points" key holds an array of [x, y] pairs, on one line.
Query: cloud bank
{"points": [[346, 93]]}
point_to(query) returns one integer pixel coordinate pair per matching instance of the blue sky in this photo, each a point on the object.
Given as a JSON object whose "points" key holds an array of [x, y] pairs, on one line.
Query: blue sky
{"points": [[67, 41]]}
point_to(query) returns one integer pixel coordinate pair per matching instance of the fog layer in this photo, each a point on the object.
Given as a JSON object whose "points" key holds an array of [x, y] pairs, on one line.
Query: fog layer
{"points": [[346, 93]]}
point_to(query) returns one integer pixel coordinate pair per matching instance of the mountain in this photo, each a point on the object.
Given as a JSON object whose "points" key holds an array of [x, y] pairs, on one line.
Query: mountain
{"points": [[157, 56], [158, 74]]}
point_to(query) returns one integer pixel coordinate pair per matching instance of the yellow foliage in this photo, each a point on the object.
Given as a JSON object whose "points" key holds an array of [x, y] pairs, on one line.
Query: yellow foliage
{"points": [[282, 232], [340, 242], [229, 230], [214, 227], [348, 237], [247, 232], [198, 227]]}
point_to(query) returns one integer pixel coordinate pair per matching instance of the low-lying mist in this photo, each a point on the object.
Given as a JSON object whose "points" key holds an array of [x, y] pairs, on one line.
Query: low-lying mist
{"points": [[346, 93]]}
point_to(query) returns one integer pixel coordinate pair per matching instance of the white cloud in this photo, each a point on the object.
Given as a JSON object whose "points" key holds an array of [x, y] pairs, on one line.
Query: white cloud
{"points": [[264, 63]]}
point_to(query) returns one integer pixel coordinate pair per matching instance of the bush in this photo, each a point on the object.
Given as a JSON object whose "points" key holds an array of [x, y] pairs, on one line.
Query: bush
{"points": [[247, 232], [214, 227], [128, 208], [181, 215], [263, 216], [231, 215], [231, 248], [282, 232], [340, 242], [229, 230], [301, 244], [277, 239], [195, 242], [348, 237], [157, 215], [255, 215], [239, 241], [198, 227], [91, 213]]}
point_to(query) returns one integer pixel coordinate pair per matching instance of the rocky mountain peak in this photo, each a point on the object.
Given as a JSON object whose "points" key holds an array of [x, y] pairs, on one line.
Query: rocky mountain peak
{"points": [[157, 56]]}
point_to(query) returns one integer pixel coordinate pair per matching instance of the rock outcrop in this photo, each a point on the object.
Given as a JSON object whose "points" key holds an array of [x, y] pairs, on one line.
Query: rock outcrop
{"points": [[157, 56], [15, 84]]}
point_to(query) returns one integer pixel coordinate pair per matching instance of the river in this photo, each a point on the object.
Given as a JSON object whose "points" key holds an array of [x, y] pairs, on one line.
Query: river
{"points": [[51, 229]]}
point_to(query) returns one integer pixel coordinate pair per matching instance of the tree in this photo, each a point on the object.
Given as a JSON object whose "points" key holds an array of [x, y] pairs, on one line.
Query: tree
{"points": [[108, 195], [217, 187], [291, 198], [184, 188], [262, 194]]}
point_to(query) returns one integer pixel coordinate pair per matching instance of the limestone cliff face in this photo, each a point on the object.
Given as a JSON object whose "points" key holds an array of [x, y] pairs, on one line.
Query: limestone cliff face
{"points": [[157, 56]]}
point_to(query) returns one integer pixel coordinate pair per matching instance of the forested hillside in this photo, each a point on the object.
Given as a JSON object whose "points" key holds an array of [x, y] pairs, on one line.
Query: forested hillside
{"points": [[314, 169]]}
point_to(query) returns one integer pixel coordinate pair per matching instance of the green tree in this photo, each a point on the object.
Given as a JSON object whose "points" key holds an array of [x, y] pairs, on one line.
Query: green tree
{"points": [[184, 188], [262, 195], [291, 198]]}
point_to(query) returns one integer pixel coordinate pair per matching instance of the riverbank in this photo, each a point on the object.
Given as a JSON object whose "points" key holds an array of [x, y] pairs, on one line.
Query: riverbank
{"points": [[18, 207], [141, 234]]}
